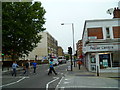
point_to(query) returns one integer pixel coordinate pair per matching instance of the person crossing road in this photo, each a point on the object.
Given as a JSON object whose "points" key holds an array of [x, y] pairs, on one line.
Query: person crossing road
{"points": [[51, 68], [14, 66]]}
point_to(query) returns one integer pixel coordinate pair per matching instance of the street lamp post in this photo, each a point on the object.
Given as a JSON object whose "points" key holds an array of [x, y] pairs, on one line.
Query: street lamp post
{"points": [[73, 38]]}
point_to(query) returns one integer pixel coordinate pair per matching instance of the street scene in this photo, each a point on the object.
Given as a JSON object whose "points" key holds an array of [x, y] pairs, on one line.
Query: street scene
{"points": [[78, 79], [60, 45]]}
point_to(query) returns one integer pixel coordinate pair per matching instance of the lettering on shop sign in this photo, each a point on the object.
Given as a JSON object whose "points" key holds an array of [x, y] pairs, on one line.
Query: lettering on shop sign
{"points": [[101, 48]]}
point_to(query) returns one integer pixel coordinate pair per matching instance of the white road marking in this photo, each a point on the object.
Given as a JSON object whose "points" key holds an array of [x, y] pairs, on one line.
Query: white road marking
{"points": [[14, 82], [66, 82], [12, 77], [86, 87], [47, 85], [59, 83], [67, 79]]}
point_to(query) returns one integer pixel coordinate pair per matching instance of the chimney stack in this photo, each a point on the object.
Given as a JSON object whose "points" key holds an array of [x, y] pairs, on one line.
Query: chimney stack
{"points": [[116, 13]]}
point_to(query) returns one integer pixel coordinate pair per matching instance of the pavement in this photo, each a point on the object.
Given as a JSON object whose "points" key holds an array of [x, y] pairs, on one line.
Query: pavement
{"points": [[84, 72], [83, 79]]}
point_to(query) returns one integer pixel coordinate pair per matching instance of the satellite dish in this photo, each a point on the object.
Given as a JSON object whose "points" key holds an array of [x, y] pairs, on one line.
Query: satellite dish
{"points": [[110, 11]]}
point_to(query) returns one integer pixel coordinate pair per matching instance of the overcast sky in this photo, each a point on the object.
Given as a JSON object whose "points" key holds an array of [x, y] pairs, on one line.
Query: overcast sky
{"points": [[76, 12]]}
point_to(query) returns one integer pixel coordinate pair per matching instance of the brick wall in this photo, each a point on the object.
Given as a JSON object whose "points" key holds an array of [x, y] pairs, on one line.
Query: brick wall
{"points": [[116, 32], [95, 32]]}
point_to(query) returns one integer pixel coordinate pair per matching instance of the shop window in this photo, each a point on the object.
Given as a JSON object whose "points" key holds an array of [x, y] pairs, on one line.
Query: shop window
{"points": [[104, 60], [92, 59]]}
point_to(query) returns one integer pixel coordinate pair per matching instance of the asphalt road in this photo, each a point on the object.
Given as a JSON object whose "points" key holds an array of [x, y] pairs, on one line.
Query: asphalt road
{"points": [[62, 81], [40, 80]]}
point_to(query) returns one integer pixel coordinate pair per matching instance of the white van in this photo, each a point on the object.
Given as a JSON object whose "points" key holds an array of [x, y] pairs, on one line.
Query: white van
{"points": [[61, 59], [55, 61]]}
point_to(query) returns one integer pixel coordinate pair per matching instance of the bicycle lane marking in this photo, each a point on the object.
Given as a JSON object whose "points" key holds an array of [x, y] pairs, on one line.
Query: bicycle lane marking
{"points": [[47, 85]]}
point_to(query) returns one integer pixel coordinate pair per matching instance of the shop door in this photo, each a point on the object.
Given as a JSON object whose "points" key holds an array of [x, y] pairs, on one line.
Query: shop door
{"points": [[104, 61]]}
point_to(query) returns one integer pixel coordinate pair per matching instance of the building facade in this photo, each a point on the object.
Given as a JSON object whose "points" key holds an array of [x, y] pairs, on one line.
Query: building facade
{"points": [[60, 51], [79, 48], [47, 47], [101, 42]]}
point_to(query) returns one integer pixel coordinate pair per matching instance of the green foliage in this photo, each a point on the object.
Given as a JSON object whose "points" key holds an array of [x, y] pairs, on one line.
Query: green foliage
{"points": [[67, 57], [21, 24]]}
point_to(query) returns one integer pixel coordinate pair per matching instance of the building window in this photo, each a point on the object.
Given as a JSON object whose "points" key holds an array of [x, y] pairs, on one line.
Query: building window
{"points": [[93, 67], [95, 33], [107, 32], [116, 32], [92, 59]]}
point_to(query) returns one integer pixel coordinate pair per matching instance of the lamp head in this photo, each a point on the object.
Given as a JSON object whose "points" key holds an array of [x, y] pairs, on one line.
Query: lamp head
{"points": [[62, 23]]}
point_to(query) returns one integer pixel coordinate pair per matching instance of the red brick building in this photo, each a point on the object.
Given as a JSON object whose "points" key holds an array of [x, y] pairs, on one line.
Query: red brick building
{"points": [[79, 48]]}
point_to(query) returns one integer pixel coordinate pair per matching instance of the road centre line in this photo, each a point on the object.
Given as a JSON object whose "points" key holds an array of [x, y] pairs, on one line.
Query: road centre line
{"points": [[47, 85], [13, 82]]}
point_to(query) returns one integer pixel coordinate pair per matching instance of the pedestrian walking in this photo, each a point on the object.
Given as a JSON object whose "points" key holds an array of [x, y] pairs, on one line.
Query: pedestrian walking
{"points": [[51, 68], [26, 68], [14, 66], [79, 63], [34, 66]]}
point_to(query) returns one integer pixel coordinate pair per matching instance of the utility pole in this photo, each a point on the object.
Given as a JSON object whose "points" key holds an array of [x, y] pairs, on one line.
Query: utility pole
{"points": [[70, 52]]}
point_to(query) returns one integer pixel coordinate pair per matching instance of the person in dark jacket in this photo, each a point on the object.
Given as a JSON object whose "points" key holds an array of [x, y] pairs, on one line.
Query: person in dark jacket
{"points": [[27, 66]]}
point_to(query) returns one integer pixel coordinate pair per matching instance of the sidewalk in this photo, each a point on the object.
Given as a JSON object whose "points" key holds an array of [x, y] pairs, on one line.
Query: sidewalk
{"points": [[84, 72], [85, 80]]}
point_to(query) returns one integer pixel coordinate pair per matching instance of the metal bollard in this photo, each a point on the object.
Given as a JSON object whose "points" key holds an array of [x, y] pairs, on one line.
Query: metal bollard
{"points": [[97, 71]]}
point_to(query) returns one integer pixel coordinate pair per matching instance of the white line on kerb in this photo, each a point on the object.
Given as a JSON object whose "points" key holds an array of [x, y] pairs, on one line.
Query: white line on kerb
{"points": [[47, 85], [13, 82]]}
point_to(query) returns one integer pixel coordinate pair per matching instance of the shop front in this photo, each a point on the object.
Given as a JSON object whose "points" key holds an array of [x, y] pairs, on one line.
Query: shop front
{"points": [[102, 57]]}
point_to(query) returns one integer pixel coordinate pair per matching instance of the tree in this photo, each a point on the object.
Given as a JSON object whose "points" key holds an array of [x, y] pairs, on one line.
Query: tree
{"points": [[21, 24]]}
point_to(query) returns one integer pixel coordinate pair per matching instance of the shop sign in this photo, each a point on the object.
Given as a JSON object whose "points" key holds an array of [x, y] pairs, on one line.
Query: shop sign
{"points": [[102, 48]]}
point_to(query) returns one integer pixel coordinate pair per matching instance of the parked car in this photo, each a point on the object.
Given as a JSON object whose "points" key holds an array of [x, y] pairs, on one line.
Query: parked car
{"points": [[61, 59], [55, 61]]}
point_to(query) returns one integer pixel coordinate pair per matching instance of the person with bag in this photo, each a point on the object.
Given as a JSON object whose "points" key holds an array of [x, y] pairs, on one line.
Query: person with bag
{"points": [[51, 68], [79, 63]]}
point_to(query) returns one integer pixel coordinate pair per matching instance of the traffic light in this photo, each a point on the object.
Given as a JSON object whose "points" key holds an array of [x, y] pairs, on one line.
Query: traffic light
{"points": [[75, 54], [69, 50]]}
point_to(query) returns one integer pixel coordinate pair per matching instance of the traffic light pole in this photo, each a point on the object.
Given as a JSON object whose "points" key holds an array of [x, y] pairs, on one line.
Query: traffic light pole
{"points": [[70, 52], [71, 62]]}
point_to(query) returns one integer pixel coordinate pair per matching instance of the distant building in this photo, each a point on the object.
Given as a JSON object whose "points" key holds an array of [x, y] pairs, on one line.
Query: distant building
{"points": [[79, 48], [101, 42], [47, 47], [60, 51]]}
